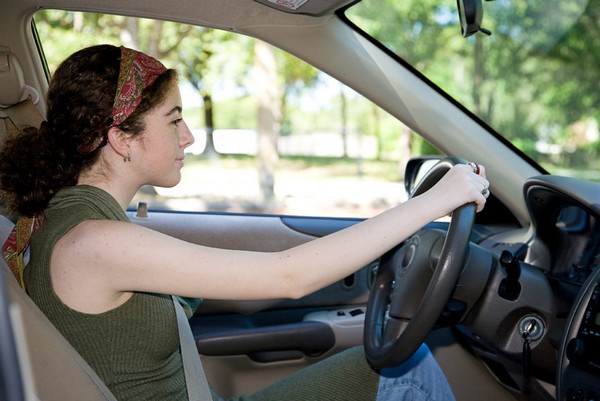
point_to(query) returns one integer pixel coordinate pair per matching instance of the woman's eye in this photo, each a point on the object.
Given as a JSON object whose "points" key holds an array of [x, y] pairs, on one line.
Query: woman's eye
{"points": [[177, 121]]}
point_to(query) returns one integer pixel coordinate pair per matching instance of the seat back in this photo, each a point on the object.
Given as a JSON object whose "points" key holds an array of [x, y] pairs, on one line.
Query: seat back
{"points": [[12, 82], [17, 101], [50, 368]]}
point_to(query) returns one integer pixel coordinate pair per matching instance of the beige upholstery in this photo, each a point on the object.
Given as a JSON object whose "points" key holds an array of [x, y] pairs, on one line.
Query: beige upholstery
{"points": [[17, 108], [17, 100], [52, 369], [12, 83], [5, 228]]}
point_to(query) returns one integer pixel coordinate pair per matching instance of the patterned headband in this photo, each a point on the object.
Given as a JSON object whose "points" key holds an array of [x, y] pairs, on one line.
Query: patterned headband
{"points": [[136, 72]]}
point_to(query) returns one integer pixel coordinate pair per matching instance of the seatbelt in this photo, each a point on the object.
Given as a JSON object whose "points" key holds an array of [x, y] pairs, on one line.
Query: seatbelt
{"points": [[195, 379]]}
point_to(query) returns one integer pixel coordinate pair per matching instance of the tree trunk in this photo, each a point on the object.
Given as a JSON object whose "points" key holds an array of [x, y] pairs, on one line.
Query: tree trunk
{"points": [[130, 33], [376, 130], [209, 125], [269, 119], [344, 120], [478, 75], [405, 150]]}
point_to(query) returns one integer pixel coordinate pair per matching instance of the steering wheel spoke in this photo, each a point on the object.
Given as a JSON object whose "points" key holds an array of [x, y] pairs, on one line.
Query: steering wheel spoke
{"points": [[414, 266]]}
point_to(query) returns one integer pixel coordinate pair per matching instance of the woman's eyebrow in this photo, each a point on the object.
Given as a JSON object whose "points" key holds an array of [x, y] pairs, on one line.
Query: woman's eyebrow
{"points": [[176, 109]]}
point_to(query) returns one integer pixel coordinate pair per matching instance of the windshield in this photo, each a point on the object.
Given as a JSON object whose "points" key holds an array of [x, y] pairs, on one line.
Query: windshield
{"points": [[534, 80]]}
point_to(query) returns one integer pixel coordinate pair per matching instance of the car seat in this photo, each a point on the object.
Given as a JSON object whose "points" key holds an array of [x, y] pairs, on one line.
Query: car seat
{"points": [[49, 368]]}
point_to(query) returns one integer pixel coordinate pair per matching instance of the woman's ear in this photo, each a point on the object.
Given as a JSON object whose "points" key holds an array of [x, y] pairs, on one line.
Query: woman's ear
{"points": [[119, 142]]}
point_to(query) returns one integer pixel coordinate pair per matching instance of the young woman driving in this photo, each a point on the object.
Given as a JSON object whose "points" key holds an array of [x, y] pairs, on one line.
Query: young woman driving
{"points": [[115, 124]]}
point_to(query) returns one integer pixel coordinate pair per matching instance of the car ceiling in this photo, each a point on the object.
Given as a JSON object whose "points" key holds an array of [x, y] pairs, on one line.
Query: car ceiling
{"points": [[311, 7], [223, 14]]}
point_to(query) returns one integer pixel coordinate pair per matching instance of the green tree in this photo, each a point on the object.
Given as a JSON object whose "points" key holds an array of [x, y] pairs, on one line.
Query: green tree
{"points": [[199, 60], [525, 80]]}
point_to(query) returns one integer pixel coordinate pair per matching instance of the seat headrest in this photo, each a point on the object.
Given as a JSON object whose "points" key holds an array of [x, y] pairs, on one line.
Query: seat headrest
{"points": [[12, 83]]}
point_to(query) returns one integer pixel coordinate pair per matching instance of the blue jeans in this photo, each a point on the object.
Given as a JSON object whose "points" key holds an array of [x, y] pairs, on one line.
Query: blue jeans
{"points": [[418, 379]]}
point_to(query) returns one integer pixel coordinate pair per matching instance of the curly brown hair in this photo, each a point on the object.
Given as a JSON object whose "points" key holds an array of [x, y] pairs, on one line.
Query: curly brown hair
{"points": [[37, 163]]}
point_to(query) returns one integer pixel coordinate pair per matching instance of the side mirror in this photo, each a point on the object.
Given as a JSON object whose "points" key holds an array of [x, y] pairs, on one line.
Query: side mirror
{"points": [[416, 168]]}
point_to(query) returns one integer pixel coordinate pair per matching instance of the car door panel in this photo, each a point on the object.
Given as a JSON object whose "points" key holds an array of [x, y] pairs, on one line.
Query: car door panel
{"points": [[239, 340], [265, 233], [246, 345]]}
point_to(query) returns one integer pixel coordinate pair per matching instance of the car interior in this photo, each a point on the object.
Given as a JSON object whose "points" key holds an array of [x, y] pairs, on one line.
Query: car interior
{"points": [[519, 320]]}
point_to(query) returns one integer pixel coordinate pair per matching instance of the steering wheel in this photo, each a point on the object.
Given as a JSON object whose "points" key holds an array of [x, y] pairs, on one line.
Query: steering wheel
{"points": [[415, 286]]}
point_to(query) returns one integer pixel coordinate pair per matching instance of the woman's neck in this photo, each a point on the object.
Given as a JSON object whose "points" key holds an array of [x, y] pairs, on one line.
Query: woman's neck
{"points": [[122, 193]]}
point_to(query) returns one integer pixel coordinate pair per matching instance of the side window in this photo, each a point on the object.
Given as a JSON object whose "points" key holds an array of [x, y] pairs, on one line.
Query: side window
{"points": [[272, 134]]}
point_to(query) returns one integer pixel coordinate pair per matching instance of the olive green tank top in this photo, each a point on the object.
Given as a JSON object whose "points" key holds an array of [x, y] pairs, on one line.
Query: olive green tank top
{"points": [[134, 348]]}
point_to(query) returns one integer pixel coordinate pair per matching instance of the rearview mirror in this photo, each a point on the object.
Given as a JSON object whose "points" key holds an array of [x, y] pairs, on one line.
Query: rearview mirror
{"points": [[470, 15]]}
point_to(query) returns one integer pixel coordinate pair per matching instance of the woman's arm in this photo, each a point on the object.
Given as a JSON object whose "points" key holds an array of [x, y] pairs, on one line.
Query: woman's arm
{"points": [[117, 258]]}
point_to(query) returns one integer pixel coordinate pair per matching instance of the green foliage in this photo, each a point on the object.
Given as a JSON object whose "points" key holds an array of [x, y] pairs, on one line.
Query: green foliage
{"points": [[65, 32], [203, 57], [239, 113], [540, 68]]}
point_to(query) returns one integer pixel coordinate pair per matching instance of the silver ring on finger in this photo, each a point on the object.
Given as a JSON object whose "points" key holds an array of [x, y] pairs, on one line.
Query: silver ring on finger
{"points": [[475, 167]]}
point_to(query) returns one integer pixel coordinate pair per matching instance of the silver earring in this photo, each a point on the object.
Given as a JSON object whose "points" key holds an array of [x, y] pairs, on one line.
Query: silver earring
{"points": [[127, 158]]}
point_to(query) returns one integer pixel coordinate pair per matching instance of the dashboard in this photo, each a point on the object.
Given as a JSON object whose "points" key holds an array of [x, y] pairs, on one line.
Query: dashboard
{"points": [[566, 216], [578, 251]]}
